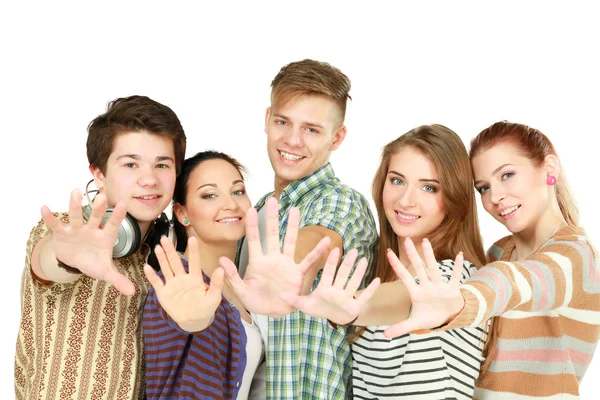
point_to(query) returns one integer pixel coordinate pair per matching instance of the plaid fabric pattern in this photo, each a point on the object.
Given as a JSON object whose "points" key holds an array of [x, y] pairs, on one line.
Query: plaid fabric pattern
{"points": [[306, 357]]}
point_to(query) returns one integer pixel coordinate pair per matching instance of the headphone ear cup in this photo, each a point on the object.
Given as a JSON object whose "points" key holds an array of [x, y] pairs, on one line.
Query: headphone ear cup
{"points": [[129, 237]]}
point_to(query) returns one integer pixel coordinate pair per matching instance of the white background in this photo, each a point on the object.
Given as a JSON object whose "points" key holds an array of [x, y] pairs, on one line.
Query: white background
{"points": [[461, 64]]}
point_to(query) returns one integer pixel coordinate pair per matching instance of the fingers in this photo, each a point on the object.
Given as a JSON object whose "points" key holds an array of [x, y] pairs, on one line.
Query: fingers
{"points": [[50, 220], [173, 257], [368, 292], [456, 277], [432, 265], [114, 220], [232, 275], [75, 211], [291, 236], [357, 277], [344, 270], [153, 278], [402, 328], [120, 282], [415, 260], [163, 262], [216, 283], [401, 271], [253, 234], [194, 267], [315, 254], [98, 210], [272, 225], [330, 267]]}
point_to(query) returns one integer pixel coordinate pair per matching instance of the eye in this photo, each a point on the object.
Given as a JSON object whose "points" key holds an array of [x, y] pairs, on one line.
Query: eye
{"points": [[312, 130], [430, 188], [507, 175], [396, 181], [162, 166], [209, 196], [130, 165], [482, 189], [280, 122], [239, 192]]}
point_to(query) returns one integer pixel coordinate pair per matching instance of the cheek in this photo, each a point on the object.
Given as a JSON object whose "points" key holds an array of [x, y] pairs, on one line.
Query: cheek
{"points": [[244, 204], [434, 205]]}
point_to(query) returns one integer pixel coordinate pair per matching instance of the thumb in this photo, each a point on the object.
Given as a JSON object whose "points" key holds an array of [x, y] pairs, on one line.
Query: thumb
{"points": [[216, 283], [120, 282], [292, 299]]}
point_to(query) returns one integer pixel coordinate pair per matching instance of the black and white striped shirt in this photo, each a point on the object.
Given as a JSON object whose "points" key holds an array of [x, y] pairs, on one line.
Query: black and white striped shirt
{"points": [[439, 365]]}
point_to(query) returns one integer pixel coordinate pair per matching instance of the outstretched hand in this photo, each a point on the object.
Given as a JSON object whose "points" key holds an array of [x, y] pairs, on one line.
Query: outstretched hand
{"points": [[269, 274], [88, 246], [334, 298], [184, 295], [434, 302]]}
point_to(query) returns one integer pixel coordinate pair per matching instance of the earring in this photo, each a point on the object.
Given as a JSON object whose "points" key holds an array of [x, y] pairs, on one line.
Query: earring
{"points": [[551, 180], [185, 221]]}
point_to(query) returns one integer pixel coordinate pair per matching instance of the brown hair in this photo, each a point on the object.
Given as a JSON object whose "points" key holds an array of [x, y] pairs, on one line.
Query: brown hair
{"points": [[133, 114], [535, 146], [310, 77], [459, 231]]}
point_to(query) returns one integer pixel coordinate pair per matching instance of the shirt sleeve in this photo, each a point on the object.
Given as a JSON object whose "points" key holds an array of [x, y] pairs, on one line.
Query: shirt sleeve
{"points": [[551, 278]]}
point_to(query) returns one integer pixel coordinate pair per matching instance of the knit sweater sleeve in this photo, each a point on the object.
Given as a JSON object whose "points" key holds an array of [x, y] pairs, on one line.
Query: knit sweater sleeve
{"points": [[553, 277]]}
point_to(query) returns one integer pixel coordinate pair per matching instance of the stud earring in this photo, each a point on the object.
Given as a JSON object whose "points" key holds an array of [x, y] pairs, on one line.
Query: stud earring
{"points": [[185, 221], [551, 180]]}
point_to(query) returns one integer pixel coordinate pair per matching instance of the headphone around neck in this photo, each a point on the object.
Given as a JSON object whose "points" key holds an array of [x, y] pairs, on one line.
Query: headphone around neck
{"points": [[129, 237]]}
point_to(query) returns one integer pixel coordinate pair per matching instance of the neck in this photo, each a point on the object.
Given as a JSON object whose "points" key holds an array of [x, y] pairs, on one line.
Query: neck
{"points": [[280, 184], [144, 227], [530, 239], [211, 252]]}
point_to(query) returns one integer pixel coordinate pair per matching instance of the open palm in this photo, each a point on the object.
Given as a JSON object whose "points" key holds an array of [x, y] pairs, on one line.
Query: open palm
{"points": [[188, 300], [269, 274], [434, 302], [335, 299], [88, 246]]}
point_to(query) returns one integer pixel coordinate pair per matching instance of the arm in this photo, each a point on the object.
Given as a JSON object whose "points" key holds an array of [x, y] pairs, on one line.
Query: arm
{"points": [[45, 266], [390, 304]]}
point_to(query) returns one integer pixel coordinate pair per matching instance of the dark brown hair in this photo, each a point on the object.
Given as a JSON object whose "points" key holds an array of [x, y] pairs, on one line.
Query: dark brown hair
{"points": [[133, 114]]}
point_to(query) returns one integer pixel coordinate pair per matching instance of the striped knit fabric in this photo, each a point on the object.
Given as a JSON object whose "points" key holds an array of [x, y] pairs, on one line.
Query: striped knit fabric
{"points": [[203, 365], [548, 317]]}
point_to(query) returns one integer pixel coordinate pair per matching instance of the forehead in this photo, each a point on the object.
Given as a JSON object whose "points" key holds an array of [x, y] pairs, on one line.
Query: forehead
{"points": [[215, 171], [143, 144], [410, 162], [486, 162], [309, 108]]}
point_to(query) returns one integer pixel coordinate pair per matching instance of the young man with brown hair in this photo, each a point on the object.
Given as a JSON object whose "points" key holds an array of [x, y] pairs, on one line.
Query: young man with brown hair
{"points": [[80, 332], [306, 357]]}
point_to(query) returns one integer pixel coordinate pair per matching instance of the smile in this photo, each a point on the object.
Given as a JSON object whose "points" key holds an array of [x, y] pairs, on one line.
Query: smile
{"points": [[509, 211], [229, 220], [406, 218], [290, 156]]}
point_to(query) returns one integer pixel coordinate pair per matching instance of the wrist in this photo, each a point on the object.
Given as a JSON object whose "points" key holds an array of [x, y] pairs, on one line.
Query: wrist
{"points": [[198, 325]]}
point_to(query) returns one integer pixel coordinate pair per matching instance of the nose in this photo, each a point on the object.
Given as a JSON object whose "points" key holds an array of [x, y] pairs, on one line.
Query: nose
{"points": [[497, 194], [293, 137], [229, 203], [407, 199], [148, 177]]}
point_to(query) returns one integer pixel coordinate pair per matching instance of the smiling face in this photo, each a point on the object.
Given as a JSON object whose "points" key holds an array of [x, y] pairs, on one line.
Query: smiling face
{"points": [[513, 190], [301, 134], [412, 195], [216, 203], [140, 171]]}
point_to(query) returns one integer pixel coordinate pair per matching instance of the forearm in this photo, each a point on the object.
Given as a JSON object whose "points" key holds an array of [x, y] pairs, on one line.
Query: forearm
{"points": [[389, 305], [45, 265]]}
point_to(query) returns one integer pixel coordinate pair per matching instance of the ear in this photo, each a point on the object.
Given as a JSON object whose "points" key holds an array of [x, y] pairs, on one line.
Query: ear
{"points": [[98, 176], [179, 212], [338, 137], [551, 165], [267, 117]]}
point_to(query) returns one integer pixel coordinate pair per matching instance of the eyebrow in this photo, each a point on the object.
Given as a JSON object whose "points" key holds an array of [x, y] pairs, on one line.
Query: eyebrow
{"points": [[479, 181], [138, 157], [215, 185], [420, 180], [311, 124]]}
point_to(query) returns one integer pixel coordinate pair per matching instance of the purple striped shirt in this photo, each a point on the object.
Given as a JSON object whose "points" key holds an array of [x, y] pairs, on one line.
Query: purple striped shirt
{"points": [[203, 365]]}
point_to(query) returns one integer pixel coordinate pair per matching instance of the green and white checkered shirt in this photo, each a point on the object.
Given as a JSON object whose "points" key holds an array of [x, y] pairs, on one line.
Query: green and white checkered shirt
{"points": [[306, 357]]}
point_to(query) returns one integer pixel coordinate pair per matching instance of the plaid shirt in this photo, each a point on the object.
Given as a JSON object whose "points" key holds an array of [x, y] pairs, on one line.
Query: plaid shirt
{"points": [[306, 357]]}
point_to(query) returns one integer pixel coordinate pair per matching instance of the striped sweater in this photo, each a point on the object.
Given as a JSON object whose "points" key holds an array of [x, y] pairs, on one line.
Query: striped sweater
{"points": [[203, 365], [548, 317]]}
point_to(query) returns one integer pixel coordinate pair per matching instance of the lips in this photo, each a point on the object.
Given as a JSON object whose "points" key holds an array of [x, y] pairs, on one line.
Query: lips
{"points": [[290, 156], [229, 220], [406, 217], [148, 199], [509, 210]]}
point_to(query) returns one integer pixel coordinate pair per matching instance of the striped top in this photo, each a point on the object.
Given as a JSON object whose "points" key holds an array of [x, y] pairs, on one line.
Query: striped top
{"points": [[202, 365], [437, 365], [548, 317], [80, 340]]}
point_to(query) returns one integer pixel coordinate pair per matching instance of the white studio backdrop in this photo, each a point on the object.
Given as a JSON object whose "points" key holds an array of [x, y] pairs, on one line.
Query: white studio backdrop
{"points": [[464, 65]]}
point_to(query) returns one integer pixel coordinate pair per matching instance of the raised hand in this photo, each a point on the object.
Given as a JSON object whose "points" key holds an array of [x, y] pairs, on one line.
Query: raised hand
{"points": [[334, 298], [184, 295], [88, 246], [434, 302], [269, 274]]}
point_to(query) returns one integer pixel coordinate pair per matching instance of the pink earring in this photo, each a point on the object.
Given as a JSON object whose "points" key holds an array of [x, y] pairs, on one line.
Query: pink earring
{"points": [[551, 180]]}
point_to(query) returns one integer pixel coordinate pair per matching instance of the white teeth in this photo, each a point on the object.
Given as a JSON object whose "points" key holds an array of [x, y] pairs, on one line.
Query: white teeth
{"points": [[226, 220], [148, 197], [403, 216], [289, 156], [508, 210]]}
